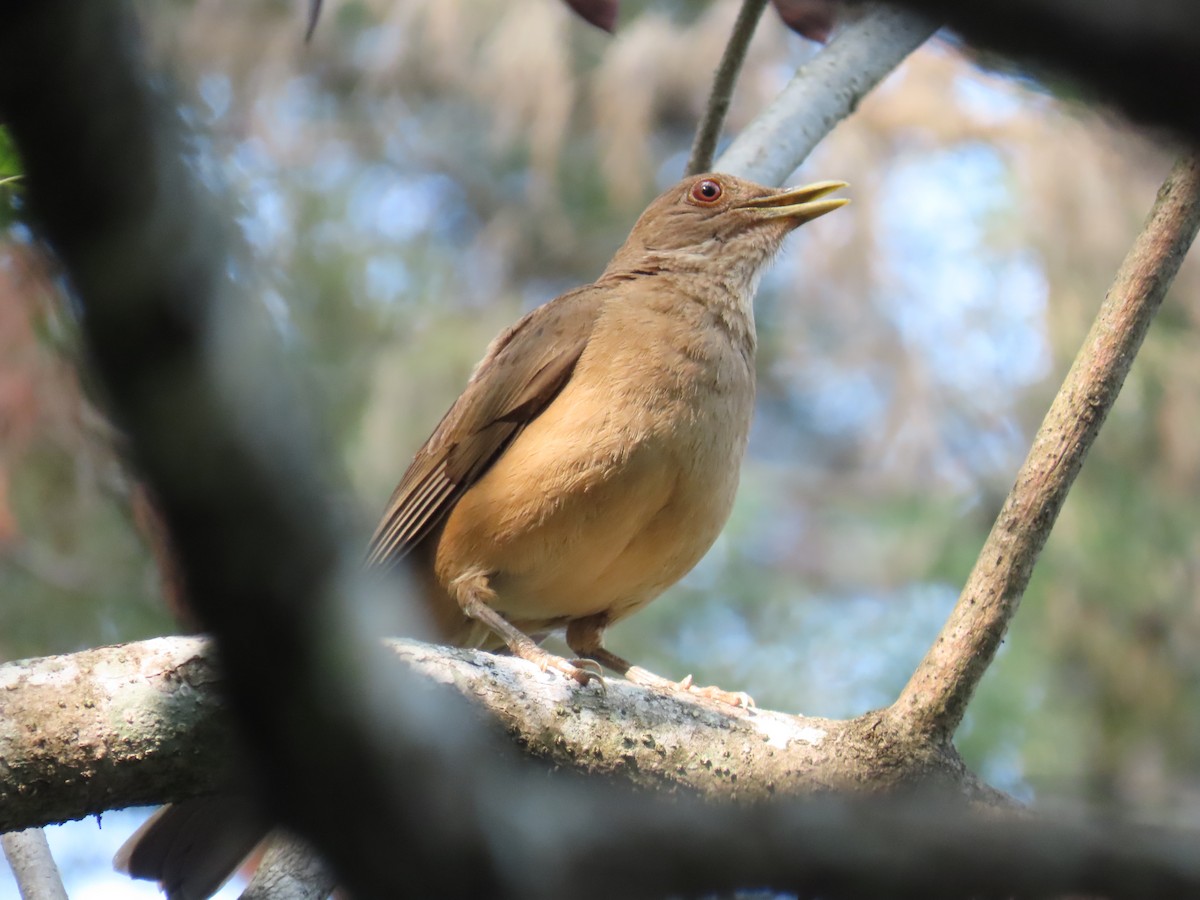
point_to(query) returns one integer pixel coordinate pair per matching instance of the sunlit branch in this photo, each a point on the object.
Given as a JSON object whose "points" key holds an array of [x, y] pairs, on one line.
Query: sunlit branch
{"points": [[166, 691], [645, 844]]}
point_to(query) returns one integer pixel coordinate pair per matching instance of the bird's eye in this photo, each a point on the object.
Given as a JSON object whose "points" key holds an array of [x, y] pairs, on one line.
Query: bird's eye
{"points": [[706, 191]]}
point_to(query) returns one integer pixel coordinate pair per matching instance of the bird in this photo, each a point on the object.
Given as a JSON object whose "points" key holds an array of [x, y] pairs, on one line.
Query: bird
{"points": [[593, 457], [588, 465]]}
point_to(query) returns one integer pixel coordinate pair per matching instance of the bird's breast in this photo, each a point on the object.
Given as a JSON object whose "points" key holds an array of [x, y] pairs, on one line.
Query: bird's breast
{"points": [[619, 487]]}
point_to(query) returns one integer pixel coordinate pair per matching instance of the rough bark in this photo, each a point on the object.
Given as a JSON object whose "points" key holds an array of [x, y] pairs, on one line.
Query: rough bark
{"points": [[145, 723], [289, 870], [900, 844], [109, 728]]}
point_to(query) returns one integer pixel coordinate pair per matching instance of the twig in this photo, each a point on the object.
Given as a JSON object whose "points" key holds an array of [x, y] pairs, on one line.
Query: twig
{"points": [[314, 15], [709, 130], [936, 696], [33, 867], [824, 92]]}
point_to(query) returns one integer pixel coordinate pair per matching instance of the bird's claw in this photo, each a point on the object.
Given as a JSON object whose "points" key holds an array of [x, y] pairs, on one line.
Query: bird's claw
{"points": [[733, 698], [581, 671], [590, 666]]}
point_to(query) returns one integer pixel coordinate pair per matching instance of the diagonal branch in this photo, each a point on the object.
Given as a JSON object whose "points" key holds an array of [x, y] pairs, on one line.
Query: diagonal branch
{"points": [[823, 92], [709, 130], [936, 696]]}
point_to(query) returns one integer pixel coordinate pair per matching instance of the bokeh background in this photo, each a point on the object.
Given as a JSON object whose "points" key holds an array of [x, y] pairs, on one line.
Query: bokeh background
{"points": [[423, 173]]}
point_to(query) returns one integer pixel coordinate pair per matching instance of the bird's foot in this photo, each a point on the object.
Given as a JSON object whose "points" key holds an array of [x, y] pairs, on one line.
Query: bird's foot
{"points": [[583, 671], [733, 698], [589, 665], [473, 594], [638, 675]]}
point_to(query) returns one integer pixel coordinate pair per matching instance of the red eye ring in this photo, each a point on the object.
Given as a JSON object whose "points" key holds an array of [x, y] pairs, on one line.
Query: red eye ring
{"points": [[706, 191]]}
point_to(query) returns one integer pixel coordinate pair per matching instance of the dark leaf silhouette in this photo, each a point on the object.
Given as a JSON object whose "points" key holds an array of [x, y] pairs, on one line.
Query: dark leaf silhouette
{"points": [[813, 19], [601, 13]]}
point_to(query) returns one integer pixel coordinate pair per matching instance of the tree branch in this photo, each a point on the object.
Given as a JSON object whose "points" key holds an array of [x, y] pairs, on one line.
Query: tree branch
{"points": [[823, 92], [33, 867], [709, 130], [899, 845], [936, 696], [64, 759]]}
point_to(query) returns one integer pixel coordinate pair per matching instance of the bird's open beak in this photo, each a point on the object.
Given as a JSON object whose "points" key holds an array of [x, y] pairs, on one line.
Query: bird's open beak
{"points": [[802, 204]]}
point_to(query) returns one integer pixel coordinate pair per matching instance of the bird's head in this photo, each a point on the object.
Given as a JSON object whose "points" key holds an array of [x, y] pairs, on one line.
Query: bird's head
{"points": [[712, 222]]}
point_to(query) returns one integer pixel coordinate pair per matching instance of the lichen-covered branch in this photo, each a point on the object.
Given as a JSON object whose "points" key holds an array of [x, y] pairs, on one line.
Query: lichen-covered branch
{"points": [[913, 844], [936, 697], [144, 723]]}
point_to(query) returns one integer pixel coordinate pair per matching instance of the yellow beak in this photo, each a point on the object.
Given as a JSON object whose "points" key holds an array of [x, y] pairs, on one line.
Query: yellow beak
{"points": [[802, 204]]}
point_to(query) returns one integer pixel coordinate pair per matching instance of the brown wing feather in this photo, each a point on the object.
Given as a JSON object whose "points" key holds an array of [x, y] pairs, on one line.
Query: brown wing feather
{"points": [[524, 369]]}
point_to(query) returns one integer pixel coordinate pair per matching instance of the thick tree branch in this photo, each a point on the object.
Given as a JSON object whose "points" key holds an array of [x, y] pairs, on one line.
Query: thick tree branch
{"points": [[709, 130], [823, 92], [903, 846], [193, 377], [154, 728], [937, 694]]}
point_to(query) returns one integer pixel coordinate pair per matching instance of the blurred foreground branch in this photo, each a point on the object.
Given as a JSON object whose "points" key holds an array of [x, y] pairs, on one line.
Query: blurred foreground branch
{"points": [[937, 695], [1140, 56]]}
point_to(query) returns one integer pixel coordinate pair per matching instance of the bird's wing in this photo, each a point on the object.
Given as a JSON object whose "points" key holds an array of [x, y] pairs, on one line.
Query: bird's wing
{"points": [[523, 370]]}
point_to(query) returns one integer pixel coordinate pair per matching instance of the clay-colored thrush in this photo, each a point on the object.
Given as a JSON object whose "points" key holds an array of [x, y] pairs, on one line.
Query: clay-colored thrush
{"points": [[593, 457], [590, 462]]}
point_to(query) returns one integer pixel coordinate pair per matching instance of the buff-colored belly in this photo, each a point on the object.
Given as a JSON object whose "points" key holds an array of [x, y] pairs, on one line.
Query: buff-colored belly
{"points": [[579, 518], [619, 487]]}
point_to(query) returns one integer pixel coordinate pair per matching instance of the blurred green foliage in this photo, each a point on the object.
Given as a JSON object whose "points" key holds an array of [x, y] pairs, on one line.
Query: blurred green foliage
{"points": [[10, 180]]}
